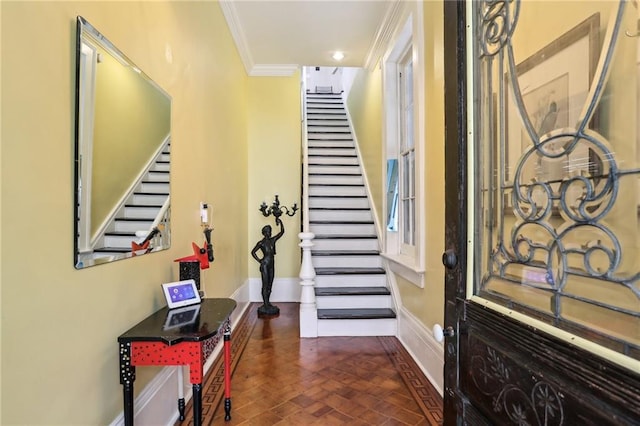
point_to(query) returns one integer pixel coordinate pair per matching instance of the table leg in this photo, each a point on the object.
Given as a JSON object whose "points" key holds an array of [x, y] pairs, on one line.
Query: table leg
{"points": [[127, 391], [127, 377], [227, 373], [197, 404]]}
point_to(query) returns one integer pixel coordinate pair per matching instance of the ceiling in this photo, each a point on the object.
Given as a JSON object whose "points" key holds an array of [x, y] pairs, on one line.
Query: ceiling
{"points": [[276, 37]]}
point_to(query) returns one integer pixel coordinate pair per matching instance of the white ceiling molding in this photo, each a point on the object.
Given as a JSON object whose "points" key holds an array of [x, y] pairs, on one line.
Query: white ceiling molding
{"points": [[273, 70], [231, 16], [384, 34]]}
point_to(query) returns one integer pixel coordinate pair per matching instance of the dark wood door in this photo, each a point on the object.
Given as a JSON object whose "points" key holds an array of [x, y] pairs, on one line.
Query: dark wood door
{"points": [[538, 331]]}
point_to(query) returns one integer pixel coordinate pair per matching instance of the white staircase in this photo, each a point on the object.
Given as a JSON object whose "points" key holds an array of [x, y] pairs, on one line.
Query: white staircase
{"points": [[134, 220], [352, 296]]}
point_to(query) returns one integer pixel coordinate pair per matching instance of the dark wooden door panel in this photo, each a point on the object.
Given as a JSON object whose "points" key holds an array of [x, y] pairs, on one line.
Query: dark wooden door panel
{"points": [[515, 374]]}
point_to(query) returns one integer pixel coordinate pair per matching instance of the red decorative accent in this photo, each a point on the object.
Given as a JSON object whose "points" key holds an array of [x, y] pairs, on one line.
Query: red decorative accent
{"points": [[158, 353], [227, 367], [199, 254]]}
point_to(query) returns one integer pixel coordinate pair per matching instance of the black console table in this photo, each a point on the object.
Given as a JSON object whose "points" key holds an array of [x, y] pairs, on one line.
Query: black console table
{"points": [[176, 337]]}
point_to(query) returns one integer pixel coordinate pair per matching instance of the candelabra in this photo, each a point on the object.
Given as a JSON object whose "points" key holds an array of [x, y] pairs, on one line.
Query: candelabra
{"points": [[277, 210]]}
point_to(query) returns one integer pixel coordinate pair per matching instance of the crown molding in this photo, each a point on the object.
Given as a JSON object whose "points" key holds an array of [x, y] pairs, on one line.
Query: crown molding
{"points": [[384, 34], [231, 16], [266, 70]]}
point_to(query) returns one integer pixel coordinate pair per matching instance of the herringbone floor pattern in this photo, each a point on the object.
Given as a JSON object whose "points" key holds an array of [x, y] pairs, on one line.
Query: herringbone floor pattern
{"points": [[280, 379]]}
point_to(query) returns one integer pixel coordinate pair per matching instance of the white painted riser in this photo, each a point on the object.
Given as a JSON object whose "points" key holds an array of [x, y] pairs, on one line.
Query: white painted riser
{"points": [[158, 177], [353, 302], [340, 215], [128, 226], [332, 151], [343, 228], [311, 104], [338, 170], [334, 111], [331, 144], [321, 116], [346, 244], [320, 122], [339, 261], [328, 202], [331, 128], [154, 199], [155, 188], [161, 167], [337, 190], [353, 161], [332, 179], [115, 241], [357, 327], [165, 157], [366, 280], [141, 212]]}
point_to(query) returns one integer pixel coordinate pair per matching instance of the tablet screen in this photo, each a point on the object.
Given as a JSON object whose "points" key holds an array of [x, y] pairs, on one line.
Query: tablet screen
{"points": [[181, 293]]}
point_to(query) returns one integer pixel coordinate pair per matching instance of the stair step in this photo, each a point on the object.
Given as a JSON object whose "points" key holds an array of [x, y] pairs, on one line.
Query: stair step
{"points": [[132, 224], [335, 180], [148, 198], [155, 187], [363, 280], [338, 202], [345, 252], [361, 214], [327, 160], [351, 291], [106, 250], [374, 313], [350, 271], [341, 228]]}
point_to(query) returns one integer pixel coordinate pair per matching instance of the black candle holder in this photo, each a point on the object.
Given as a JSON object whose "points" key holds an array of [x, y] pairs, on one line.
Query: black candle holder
{"points": [[277, 210]]}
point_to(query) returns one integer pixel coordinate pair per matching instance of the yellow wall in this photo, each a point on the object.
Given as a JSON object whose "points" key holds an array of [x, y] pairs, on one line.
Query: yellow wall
{"points": [[274, 165], [60, 325], [365, 108], [132, 120]]}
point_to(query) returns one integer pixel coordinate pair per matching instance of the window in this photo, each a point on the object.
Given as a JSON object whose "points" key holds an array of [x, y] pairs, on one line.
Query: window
{"points": [[403, 85]]}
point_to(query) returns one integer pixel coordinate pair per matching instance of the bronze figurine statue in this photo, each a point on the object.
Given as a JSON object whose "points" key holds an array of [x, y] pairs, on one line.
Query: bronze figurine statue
{"points": [[267, 265]]}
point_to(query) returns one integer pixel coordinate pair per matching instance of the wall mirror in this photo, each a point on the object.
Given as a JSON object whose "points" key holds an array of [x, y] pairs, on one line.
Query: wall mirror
{"points": [[123, 149]]}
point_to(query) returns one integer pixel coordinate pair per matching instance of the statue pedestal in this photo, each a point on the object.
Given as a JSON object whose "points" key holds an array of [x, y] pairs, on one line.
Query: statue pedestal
{"points": [[268, 311]]}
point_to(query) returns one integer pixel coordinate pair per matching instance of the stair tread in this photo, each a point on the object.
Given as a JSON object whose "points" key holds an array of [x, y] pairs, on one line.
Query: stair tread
{"points": [[336, 184], [340, 208], [153, 206], [132, 219], [341, 222], [345, 253], [121, 233], [345, 236], [112, 249], [349, 271], [352, 291], [369, 313]]}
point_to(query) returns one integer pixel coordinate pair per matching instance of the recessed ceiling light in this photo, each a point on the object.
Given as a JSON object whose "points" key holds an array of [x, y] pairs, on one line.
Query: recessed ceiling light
{"points": [[338, 56]]}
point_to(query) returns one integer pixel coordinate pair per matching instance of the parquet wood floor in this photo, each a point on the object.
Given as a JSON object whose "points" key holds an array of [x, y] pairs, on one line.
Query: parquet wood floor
{"points": [[280, 379]]}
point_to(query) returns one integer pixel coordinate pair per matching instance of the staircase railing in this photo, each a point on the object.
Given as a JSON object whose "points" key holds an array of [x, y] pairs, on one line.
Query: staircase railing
{"points": [[308, 308]]}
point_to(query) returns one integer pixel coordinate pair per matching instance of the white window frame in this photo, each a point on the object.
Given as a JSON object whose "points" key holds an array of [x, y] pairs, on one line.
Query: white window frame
{"points": [[405, 260]]}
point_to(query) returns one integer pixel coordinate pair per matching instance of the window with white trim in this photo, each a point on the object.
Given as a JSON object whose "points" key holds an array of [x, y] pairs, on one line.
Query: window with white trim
{"points": [[403, 105]]}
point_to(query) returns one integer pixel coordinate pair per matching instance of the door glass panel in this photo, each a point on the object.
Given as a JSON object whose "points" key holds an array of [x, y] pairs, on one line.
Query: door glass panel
{"points": [[557, 165]]}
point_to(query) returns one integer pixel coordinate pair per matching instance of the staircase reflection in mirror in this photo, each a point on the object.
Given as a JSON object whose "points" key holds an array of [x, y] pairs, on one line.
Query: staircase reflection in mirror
{"points": [[123, 150]]}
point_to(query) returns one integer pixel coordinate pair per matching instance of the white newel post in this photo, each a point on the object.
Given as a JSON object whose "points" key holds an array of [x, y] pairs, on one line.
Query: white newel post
{"points": [[308, 310]]}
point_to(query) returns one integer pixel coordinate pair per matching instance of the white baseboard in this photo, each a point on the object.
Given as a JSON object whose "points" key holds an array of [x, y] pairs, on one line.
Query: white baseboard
{"points": [[283, 290], [423, 348]]}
